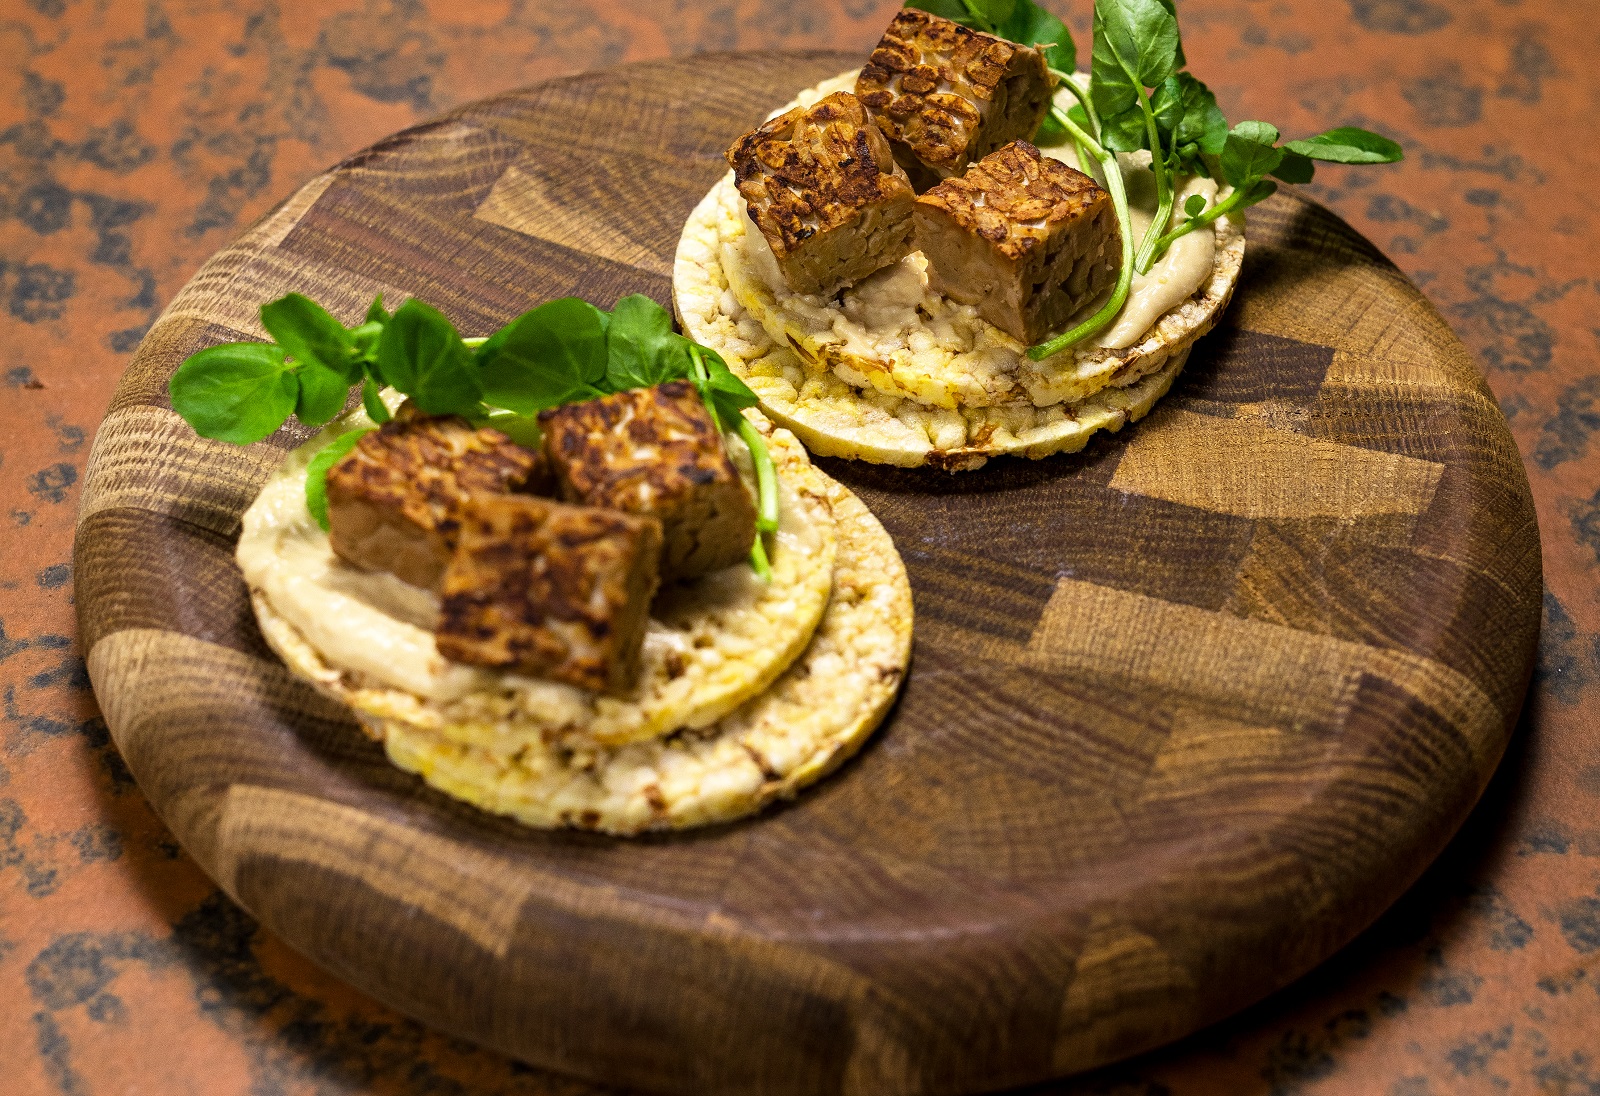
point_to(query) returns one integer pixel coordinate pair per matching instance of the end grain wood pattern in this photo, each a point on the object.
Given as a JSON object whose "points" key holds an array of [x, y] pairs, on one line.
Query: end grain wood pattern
{"points": [[1186, 712]]}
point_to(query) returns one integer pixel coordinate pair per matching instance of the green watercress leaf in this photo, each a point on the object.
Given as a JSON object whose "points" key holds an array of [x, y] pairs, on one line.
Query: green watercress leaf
{"points": [[317, 472], [1187, 114], [1349, 145], [552, 355], [725, 386], [950, 9], [310, 336], [376, 313], [1034, 26], [372, 401], [421, 354], [522, 429], [1124, 132], [1294, 168], [641, 347], [236, 392], [1135, 46], [1195, 205], [322, 394], [1248, 153]]}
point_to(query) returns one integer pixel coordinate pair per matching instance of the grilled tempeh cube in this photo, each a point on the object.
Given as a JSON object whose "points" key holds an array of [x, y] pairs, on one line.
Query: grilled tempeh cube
{"points": [[824, 190], [393, 499], [551, 590], [656, 451], [947, 96], [1023, 237]]}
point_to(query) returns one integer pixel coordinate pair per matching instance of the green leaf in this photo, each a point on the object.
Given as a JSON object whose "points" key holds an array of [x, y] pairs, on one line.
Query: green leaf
{"points": [[317, 472], [1050, 132], [552, 355], [999, 12], [1349, 145], [1124, 132], [1260, 191], [372, 400], [237, 392], [950, 9], [1195, 205], [642, 349], [1186, 113], [1033, 26], [1294, 168], [376, 313], [1135, 46], [310, 336], [1248, 154], [420, 354], [322, 394], [522, 429], [1178, 59], [728, 388]]}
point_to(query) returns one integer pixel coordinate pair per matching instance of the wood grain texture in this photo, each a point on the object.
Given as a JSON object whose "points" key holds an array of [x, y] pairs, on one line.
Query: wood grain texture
{"points": [[1187, 710]]}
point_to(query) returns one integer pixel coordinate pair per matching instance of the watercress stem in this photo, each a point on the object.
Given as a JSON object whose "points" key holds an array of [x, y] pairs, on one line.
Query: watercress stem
{"points": [[475, 341], [766, 477], [1119, 203], [1221, 209], [758, 559], [1083, 100], [1158, 167]]}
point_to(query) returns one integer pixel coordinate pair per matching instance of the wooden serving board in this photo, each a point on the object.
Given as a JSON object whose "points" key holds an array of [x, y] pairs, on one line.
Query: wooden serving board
{"points": [[1186, 712]]}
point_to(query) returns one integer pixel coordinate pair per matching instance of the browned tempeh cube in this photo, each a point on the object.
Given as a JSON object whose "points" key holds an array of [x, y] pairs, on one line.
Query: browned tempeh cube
{"points": [[1023, 237], [392, 500], [551, 590], [947, 96], [656, 451], [826, 193]]}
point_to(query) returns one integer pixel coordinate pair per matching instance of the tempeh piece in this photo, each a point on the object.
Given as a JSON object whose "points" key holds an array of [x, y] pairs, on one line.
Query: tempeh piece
{"points": [[1024, 238], [947, 95], [823, 188], [656, 451], [393, 499], [550, 590]]}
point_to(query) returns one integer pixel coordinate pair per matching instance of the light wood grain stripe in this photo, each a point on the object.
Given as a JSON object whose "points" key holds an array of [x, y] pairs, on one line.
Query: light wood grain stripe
{"points": [[231, 288], [271, 229], [149, 459], [1262, 672], [550, 205], [465, 887], [1240, 466]]}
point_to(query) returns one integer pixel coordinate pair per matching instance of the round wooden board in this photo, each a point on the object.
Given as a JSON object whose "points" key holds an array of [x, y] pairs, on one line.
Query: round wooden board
{"points": [[1187, 710]]}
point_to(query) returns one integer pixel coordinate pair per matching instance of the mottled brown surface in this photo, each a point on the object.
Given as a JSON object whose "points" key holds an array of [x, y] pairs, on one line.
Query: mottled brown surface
{"points": [[947, 95], [394, 499], [655, 451], [1022, 236], [823, 188], [550, 590], [128, 160]]}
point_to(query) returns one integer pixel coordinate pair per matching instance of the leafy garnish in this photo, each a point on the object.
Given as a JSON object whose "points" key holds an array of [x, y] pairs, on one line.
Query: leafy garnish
{"points": [[549, 356], [1139, 98], [561, 352], [317, 472], [421, 354], [236, 392]]}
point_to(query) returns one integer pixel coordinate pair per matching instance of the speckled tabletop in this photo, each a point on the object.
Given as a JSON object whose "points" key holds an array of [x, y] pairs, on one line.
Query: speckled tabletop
{"points": [[137, 138]]}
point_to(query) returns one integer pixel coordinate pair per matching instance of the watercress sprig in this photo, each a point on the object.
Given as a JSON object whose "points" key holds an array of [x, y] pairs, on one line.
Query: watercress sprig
{"points": [[1141, 98], [561, 352]]}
